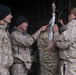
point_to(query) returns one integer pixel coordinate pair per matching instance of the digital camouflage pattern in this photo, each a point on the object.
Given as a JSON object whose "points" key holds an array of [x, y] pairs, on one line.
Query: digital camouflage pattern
{"points": [[49, 60], [6, 58], [66, 42], [21, 42]]}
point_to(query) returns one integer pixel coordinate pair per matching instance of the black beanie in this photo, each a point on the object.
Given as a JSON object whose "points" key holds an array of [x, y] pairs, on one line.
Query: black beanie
{"points": [[4, 11], [20, 19]]}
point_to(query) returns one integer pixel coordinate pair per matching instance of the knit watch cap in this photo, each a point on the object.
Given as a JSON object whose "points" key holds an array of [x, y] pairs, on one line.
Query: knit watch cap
{"points": [[20, 19], [4, 11]]}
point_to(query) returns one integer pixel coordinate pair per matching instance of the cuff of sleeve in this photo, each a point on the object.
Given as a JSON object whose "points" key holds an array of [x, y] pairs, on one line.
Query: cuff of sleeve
{"points": [[33, 38], [56, 33]]}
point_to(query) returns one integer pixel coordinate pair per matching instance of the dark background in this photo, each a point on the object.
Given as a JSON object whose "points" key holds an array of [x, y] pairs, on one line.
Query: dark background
{"points": [[38, 13]]}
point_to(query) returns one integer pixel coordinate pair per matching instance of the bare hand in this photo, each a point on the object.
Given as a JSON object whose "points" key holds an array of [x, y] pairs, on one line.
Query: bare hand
{"points": [[55, 28], [61, 22], [44, 28]]}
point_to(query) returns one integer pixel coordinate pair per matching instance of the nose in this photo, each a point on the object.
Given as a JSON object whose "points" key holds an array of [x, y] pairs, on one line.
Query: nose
{"points": [[26, 24], [11, 16]]}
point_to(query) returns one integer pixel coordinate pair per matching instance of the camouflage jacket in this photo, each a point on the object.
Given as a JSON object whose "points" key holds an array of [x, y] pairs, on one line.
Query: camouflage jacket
{"points": [[66, 42], [6, 58], [21, 42]]}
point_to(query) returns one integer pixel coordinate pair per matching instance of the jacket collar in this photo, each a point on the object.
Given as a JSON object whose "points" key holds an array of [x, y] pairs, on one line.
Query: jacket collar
{"points": [[3, 26], [22, 31]]}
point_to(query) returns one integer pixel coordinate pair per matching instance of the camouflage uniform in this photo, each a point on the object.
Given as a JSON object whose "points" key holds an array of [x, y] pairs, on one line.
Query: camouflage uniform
{"points": [[6, 58], [66, 42], [49, 60], [21, 42]]}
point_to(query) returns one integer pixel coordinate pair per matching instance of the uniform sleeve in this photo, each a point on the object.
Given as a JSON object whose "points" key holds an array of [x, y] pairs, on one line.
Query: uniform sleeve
{"points": [[36, 34], [23, 40], [0, 48], [65, 39]]}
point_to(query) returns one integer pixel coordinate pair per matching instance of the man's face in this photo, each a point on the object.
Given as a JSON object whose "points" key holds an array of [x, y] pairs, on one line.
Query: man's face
{"points": [[24, 26], [71, 16], [8, 18]]}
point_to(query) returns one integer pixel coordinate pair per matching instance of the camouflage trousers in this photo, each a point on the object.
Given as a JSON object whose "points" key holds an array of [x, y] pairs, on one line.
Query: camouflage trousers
{"points": [[67, 68], [18, 68]]}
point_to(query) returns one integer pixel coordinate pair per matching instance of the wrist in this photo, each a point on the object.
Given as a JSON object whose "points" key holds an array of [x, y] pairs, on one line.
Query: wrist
{"points": [[56, 31]]}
